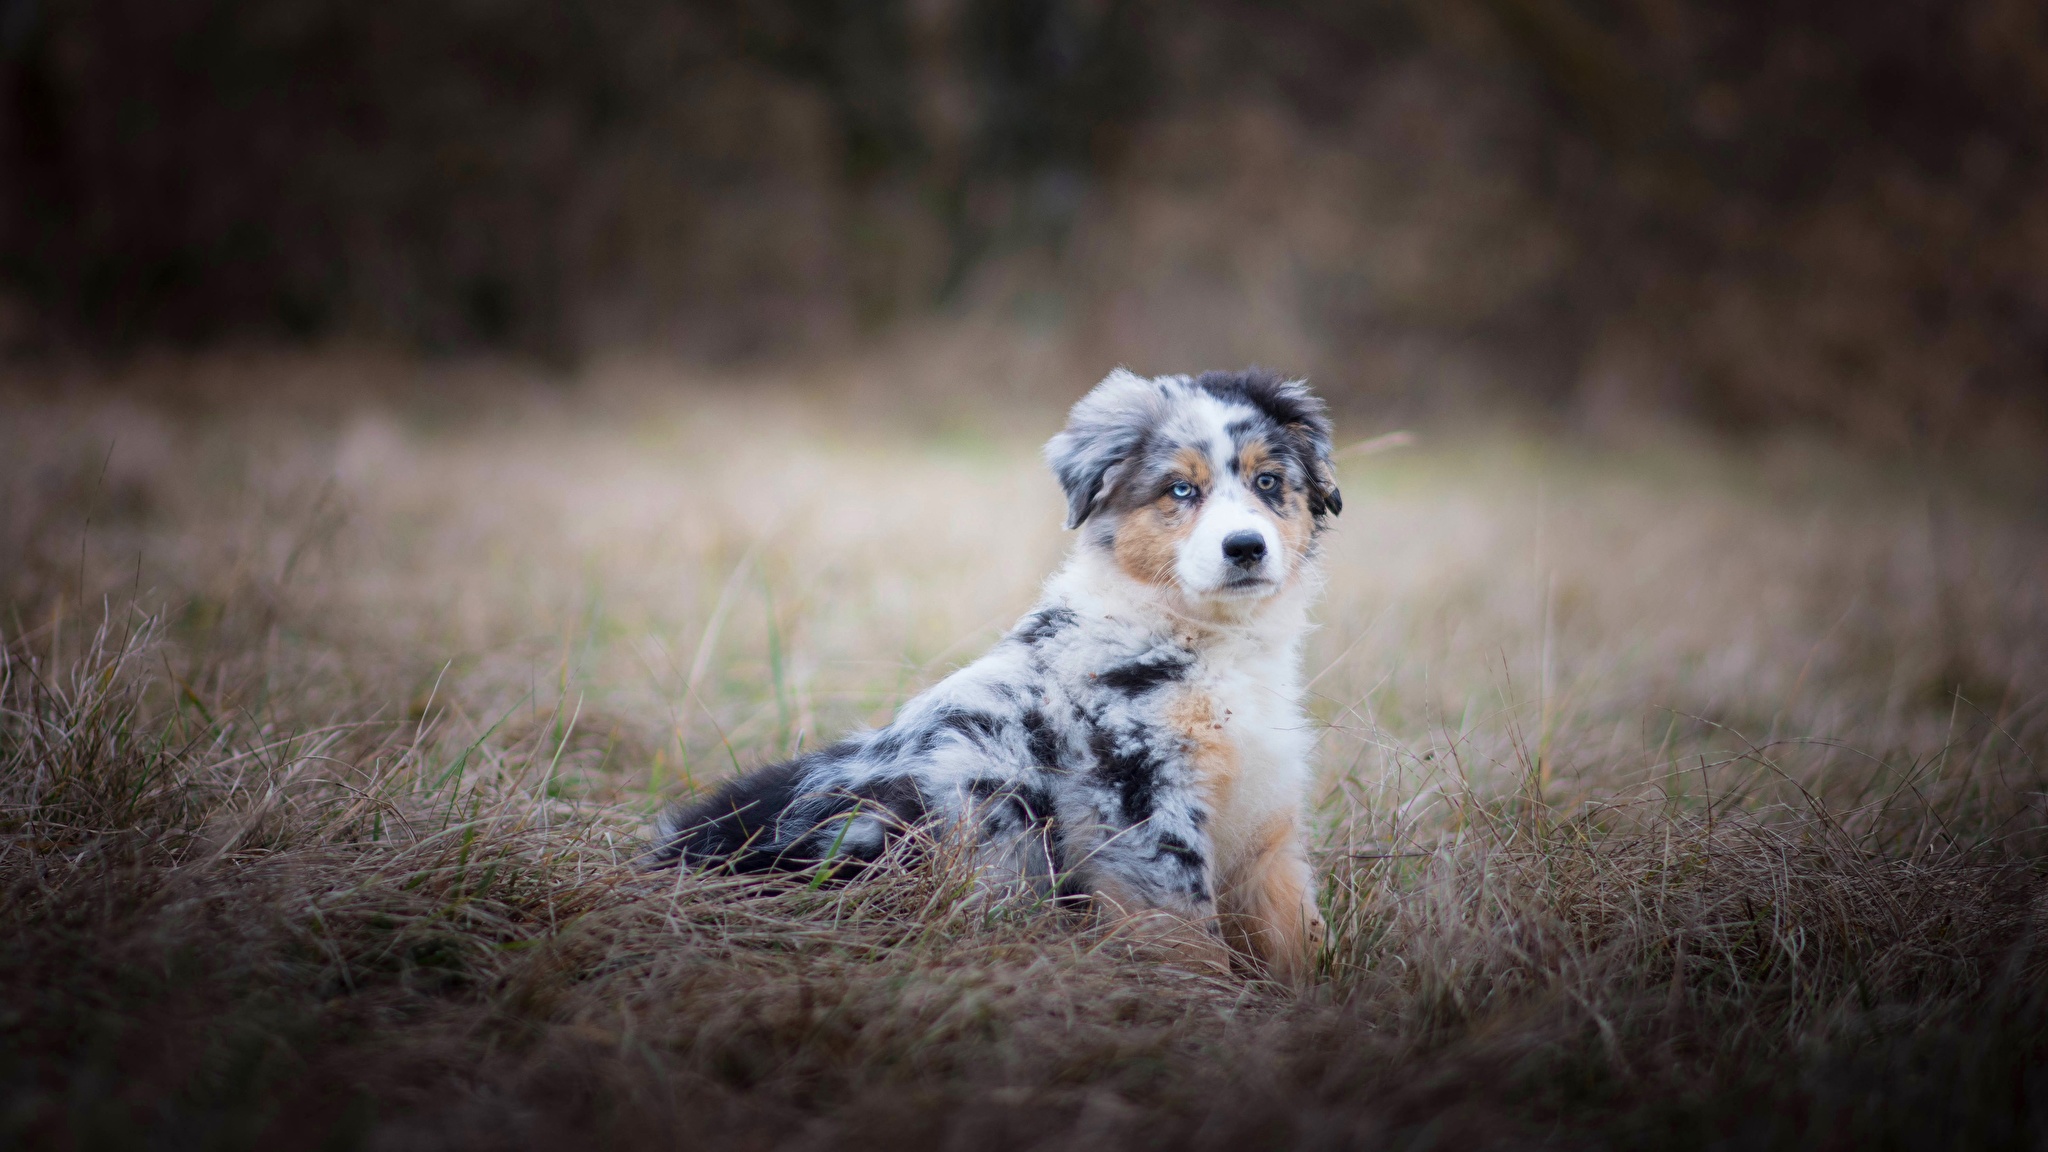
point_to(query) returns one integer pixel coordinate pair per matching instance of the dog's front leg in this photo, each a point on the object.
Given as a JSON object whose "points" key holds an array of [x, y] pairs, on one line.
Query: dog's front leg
{"points": [[1154, 885], [1268, 904]]}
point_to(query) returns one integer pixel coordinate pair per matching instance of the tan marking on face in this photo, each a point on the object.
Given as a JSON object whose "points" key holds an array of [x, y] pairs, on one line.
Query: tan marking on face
{"points": [[1297, 528], [1254, 458], [1148, 537], [1293, 523]]}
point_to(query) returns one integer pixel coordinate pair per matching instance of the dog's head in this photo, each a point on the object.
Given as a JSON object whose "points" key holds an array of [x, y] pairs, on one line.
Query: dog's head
{"points": [[1216, 485]]}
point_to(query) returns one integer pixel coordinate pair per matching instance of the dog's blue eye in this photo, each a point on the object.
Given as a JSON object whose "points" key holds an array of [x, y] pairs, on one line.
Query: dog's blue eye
{"points": [[1267, 481], [1182, 490]]}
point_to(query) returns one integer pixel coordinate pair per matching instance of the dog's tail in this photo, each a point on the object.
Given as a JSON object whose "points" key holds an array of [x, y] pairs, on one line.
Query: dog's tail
{"points": [[787, 816], [737, 826]]}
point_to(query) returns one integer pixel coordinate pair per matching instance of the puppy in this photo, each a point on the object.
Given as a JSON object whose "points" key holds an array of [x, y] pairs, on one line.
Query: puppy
{"points": [[1137, 739]]}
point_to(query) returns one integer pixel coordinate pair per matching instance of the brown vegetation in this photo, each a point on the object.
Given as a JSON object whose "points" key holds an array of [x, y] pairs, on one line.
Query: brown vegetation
{"points": [[1673, 795]]}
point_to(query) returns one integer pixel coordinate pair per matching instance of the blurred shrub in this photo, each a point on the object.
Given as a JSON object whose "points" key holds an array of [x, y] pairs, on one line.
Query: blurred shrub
{"points": [[457, 172], [1816, 212], [447, 172]]}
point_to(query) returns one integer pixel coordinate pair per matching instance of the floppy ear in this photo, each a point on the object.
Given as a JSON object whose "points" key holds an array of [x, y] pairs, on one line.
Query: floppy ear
{"points": [[1105, 427], [1323, 496], [1307, 420]]}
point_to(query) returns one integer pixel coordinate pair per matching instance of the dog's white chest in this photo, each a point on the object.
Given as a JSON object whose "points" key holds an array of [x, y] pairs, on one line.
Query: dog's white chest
{"points": [[1253, 764]]}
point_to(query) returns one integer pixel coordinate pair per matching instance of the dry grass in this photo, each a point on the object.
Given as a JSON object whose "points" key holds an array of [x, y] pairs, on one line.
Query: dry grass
{"points": [[1676, 794]]}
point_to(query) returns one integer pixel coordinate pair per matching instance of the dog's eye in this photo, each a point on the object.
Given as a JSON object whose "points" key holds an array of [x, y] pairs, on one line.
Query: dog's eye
{"points": [[1181, 490], [1267, 481]]}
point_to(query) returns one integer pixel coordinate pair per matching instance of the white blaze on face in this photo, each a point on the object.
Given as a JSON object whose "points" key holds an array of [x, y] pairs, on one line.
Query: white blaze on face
{"points": [[1219, 556]]}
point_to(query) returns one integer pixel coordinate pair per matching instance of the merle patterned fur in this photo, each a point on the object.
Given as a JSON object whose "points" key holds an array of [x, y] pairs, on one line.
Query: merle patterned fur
{"points": [[1061, 751]]}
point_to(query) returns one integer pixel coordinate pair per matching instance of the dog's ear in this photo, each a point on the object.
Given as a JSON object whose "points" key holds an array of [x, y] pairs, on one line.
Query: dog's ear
{"points": [[1323, 496], [1307, 421], [1105, 427]]}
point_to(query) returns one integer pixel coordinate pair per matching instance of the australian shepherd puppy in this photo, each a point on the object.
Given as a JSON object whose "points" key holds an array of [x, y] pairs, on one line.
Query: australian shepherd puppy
{"points": [[1138, 737]]}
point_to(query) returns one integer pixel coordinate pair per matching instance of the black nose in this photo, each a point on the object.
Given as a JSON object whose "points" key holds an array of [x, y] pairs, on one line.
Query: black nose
{"points": [[1244, 549]]}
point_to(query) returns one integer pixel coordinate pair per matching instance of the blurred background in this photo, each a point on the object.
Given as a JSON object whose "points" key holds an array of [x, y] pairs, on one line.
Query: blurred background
{"points": [[515, 417], [1814, 214]]}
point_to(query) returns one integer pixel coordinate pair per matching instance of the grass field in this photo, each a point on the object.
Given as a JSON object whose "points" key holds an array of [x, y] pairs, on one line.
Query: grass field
{"points": [[1673, 793]]}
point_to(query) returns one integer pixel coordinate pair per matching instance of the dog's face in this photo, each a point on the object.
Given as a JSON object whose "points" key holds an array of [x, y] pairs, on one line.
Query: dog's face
{"points": [[1215, 485]]}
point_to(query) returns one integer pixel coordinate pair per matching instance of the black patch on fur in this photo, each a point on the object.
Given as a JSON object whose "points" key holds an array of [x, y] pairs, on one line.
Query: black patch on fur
{"points": [[1037, 802], [899, 796], [1041, 815], [735, 825], [1147, 672], [979, 727], [893, 741], [887, 744], [896, 800], [1041, 742], [1134, 775], [1279, 399], [1003, 801], [1188, 858], [1043, 625], [1181, 850]]}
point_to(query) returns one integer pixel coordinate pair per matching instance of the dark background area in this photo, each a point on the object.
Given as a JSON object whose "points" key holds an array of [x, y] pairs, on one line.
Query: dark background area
{"points": [[1821, 213]]}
